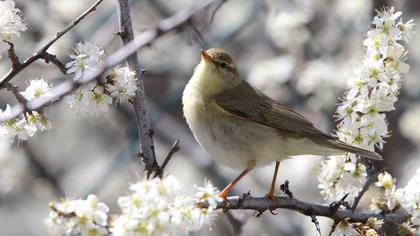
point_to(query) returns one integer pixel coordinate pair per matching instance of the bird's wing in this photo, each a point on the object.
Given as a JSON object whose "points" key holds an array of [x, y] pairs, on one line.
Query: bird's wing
{"points": [[250, 104]]}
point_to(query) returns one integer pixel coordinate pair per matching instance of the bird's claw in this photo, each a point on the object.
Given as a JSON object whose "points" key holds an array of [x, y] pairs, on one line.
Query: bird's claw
{"points": [[224, 197], [271, 196]]}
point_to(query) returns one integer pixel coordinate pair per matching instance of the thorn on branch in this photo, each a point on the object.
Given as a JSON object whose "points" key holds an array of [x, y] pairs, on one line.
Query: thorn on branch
{"points": [[121, 33], [315, 221], [244, 196], [285, 189]]}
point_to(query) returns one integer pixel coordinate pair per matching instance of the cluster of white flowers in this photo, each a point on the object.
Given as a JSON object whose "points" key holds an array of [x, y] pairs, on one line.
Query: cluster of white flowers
{"points": [[156, 207], [369, 228], [86, 59], [78, 217], [11, 23], [372, 91], [121, 83], [389, 201], [27, 125], [95, 97], [408, 198]]}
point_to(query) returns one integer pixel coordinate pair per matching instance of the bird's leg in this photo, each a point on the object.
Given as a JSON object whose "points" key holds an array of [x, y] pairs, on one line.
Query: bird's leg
{"points": [[270, 193], [224, 193]]}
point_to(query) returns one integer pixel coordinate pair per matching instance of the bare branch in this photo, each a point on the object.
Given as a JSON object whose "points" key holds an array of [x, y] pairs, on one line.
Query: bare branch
{"points": [[262, 204], [140, 106], [41, 53]]}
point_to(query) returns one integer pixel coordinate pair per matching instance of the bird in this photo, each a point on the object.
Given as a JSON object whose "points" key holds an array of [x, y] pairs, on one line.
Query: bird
{"points": [[242, 128]]}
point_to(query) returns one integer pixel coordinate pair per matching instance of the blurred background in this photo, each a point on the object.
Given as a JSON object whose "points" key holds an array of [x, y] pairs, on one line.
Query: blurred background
{"points": [[299, 52]]}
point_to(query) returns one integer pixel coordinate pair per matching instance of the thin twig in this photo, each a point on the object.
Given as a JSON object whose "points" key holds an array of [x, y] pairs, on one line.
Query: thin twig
{"points": [[216, 8], [41, 52], [174, 149], [366, 186], [333, 227], [236, 224]]}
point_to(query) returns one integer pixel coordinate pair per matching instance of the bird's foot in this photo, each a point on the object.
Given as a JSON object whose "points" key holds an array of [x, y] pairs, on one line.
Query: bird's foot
{"points": [[270, 195], [224, 195]]}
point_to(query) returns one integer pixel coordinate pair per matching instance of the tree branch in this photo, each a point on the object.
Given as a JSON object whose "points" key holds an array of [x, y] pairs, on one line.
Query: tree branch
{"points": [[42, 53], [140, 106], [262, 204]]}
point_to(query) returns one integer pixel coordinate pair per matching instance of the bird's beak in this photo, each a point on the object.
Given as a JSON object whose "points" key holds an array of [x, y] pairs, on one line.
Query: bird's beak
{"points": [[205, 56]]}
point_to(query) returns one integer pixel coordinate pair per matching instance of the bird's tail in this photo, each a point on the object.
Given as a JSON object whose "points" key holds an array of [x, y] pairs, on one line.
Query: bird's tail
{"points": [[338, 145]]}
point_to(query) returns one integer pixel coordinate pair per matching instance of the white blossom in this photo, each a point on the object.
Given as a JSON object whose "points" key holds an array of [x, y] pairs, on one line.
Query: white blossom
{"points": [[371, 232], [121, 84], [11, 22], [372, 90], [157, 207], [23, 127], [409, 198], [36, 88], [385, 181], [27, 125], [78, 217], [208, 193], [345, 229], [90, 99], [86, 59]]}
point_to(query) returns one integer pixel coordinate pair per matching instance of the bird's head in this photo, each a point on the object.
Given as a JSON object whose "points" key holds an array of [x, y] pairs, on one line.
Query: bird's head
{"points": [[216, 72]]}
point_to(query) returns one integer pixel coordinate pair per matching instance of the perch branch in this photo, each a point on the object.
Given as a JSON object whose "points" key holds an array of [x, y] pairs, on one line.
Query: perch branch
{"points": [[262, 204]]}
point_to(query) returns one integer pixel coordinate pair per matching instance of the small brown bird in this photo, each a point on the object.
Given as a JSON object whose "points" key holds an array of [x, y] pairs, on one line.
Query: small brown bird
{"points": [[243, 128]]}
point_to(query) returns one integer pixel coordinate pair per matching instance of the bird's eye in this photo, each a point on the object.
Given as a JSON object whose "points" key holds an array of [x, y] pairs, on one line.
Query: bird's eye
{"points": [[223, 65]]}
